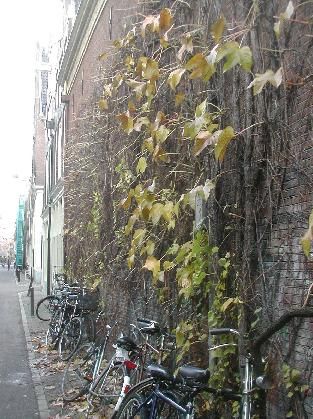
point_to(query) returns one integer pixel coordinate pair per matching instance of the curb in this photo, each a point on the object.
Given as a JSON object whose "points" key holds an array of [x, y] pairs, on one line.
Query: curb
{"points": [[39, 390]]}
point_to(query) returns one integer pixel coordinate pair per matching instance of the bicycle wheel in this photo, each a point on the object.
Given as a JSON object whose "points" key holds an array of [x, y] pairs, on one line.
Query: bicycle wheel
{"points": [[55, 328], [129, 408], [70, 338], [78, 373], [46, 306]]}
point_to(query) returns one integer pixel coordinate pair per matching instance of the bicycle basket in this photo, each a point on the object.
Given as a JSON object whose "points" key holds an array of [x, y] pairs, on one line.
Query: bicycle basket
{"points": [[89, 300]]}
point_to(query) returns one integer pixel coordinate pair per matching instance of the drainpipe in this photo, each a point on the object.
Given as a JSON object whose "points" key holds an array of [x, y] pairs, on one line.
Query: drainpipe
{"points": [[48, 251]]}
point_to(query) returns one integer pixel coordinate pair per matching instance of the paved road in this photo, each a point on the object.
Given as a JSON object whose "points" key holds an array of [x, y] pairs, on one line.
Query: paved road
{"points": [[17, 395]]}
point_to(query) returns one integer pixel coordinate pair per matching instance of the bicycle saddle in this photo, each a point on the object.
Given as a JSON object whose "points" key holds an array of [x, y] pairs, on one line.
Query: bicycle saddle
{"points": [[126, 343], [149, 327], [190, 373], [159, 372]]}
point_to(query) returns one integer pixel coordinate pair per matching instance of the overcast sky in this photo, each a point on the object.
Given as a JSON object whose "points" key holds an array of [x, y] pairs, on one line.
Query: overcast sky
{"points": [[23, 23]]}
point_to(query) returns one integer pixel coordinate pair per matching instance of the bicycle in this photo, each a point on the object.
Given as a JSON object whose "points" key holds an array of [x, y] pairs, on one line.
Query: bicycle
{"points": [[80, 325], [83, 368], [166, 396], [128, 365]]}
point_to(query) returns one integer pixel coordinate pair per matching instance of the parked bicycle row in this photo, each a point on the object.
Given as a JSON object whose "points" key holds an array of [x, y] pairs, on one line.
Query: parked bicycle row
{"points": [[134, 379]]}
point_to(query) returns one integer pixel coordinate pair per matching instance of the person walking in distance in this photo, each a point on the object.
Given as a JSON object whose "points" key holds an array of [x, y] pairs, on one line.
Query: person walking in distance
{"points": [[9, 264]]}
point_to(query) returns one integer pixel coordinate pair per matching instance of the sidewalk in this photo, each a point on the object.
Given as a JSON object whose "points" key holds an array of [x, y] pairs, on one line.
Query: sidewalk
{"points": [[46, 368]]}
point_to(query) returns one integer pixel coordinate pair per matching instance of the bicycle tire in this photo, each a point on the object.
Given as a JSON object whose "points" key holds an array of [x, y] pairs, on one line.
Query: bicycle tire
{"points": [[77, 376], [109, 384], [54, 329], [70, 339], [46, 306], [138, 394], [132, 401]]}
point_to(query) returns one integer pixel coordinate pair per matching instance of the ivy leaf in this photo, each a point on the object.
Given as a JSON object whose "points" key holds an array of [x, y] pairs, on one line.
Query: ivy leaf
{"points": [[261, 79], [161, 134], [156, 213], [202, 140], [226, 304], [137, 86], [125, 203], [148, 145], [165, 19], [308, 237], [151, 70], [103, 105], [217, 29], [160, 154], [138, 237], [286, 15], [131, 106], [153, 265], [200, 68], [234, 55], [141, 165], [127, 122], [200, 109], [179, 98], [174, 78], [223, 140], [143, 120], [150, 21], [186, 46]]}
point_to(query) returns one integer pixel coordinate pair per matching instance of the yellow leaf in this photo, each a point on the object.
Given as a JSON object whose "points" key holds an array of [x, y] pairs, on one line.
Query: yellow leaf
{"points": [[137, 86], [223, 140], [138, 237], [125, 203], [152, 264], [217, 29], [141, 165], [202, 140], [143, 120], [127, 122], [179, 98], [160, 154], [156, 213], [187, 45], [200, 68], [151, 70], [131, 106], [148, 145], [150, 21], [161, 134], [103, 104], [149, 248], [226, 304], [174, 78], [165, 19], [261, 79], [168, 211]]}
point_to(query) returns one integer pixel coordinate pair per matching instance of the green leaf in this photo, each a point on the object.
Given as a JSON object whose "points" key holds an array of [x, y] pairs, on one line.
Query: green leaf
{"points": [[222, 143], [175, 77], [103, 104], [200, 109], [217, 29], [161, 134], [141, 165]]}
